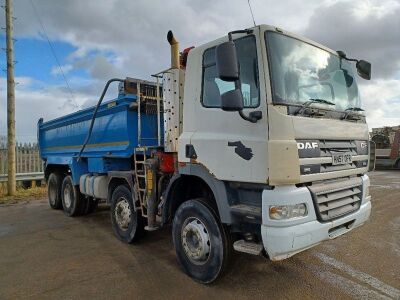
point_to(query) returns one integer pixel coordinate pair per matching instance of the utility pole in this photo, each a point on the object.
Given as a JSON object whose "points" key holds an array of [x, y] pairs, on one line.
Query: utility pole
{"points": [[11, 184]]}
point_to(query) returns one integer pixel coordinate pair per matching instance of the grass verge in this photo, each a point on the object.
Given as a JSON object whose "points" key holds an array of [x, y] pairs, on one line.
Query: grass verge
{"points": [[22, 194]]}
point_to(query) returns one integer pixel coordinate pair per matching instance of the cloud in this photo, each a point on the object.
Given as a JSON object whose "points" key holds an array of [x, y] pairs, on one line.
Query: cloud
{"points": [[382, 99], [104, 68], [128, 38], [363, 29], [369, 30], [31, 104], [136, 31], [56, 70]]}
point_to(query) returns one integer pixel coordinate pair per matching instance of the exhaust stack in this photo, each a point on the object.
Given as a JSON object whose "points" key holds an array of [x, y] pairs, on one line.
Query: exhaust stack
{"points": [[175, 64]]}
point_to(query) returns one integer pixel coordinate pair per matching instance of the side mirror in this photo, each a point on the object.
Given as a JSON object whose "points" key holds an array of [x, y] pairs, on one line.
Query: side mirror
{"points": [[364, 69], [227, 61], [232, 100]]}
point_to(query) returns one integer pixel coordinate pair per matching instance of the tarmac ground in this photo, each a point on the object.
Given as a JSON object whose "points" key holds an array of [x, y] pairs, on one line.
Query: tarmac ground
{"points": [[46, 255]]}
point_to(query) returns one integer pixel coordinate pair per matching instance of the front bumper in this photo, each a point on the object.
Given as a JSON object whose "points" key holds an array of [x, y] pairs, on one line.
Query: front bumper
{"points": [[284, 238]]}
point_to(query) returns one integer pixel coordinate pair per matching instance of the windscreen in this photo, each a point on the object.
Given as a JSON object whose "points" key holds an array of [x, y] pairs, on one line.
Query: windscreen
{"points": [[301, 72]]}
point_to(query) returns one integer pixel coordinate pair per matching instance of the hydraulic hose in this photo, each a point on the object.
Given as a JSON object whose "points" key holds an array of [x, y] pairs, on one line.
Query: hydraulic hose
{"points": [[94, 114]]}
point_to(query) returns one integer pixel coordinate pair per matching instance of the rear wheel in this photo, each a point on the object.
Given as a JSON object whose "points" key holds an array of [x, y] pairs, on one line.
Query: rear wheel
{"points": [[128, 224], [72, 200], [201, 242], [54, 190]]}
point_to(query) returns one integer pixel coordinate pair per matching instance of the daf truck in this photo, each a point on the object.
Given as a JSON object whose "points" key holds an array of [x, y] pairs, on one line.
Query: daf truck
{"points": [[255, 142]]}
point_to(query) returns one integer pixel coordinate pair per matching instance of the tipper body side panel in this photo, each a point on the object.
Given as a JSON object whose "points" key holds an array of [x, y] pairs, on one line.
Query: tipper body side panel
{"points": [[112, 142]]}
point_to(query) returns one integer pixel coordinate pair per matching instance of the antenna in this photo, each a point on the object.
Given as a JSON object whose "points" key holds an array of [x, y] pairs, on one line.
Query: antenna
{"points": [[251, 11]]}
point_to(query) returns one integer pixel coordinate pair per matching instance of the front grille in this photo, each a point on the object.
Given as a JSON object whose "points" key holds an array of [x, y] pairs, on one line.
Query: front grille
{"points": [[336, 198], [324, 149], [328, 147]]}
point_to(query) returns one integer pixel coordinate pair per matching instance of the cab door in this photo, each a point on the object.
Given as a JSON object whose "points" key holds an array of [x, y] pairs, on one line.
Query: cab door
{"points": [[230, 147]]}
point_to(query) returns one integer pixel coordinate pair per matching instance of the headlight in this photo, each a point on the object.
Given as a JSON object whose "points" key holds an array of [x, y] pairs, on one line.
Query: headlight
{"points": [[284, 212]]}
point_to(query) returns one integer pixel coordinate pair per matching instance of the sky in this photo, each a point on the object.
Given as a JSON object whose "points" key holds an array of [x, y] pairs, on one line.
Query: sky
{"points": [[96, 40]]}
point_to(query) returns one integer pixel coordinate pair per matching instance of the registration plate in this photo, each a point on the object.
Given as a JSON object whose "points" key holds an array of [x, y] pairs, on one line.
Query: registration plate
{"points": [[341, 159]]}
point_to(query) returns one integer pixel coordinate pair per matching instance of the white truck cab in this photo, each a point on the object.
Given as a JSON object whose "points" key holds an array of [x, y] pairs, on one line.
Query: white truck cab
{"points": [[301, 164]]}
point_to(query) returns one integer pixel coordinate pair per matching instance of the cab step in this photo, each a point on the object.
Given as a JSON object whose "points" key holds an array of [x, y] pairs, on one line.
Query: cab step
{"points": [[248, 247]]}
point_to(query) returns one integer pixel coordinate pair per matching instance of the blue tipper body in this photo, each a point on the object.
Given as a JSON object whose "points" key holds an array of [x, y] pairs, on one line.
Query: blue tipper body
{"points": [[112, 142]]}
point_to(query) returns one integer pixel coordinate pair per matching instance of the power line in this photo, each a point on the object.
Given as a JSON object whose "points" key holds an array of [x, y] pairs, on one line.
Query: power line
{"points": [[52, 50]]}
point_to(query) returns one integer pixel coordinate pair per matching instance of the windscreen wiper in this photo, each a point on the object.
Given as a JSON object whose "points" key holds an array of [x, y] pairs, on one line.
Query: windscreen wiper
{"points": [[350, 110], [354, 109], [311, 101]]}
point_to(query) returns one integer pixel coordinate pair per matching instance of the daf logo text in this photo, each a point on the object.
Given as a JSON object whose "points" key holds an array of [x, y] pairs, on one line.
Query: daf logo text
{"points": [[307, 145]]}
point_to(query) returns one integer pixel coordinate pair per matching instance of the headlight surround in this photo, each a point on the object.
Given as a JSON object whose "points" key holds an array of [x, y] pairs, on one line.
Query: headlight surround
{"points": [[285, 212], [366, 192]]}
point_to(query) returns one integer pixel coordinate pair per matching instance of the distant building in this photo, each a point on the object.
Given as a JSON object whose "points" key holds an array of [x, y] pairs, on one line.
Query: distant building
{"points": [[387, 143], [384, 136]]}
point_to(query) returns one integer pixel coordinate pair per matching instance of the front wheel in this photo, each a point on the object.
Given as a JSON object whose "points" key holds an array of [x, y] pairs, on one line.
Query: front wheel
{"points": [[201, 242], [128, 224]]}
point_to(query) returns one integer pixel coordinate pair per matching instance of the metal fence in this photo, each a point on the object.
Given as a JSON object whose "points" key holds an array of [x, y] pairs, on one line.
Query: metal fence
{"points": [[29, 166]]}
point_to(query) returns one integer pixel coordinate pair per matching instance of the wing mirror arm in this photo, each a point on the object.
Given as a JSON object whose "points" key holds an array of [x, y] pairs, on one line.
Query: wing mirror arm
{"points": [[363, 67]]}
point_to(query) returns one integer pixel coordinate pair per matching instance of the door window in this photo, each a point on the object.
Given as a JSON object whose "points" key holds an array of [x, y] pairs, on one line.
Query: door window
{"points": [[213, 87]]}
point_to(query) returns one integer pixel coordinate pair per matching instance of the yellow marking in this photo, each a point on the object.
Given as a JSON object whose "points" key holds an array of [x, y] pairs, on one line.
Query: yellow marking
{"points": [[122, 143], [149, 180], [111, 104]]}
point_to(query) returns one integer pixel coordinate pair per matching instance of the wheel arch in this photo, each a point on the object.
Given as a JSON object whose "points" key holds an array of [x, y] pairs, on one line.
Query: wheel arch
{"points": [[54, 168], [196, 182], [116, 179]]}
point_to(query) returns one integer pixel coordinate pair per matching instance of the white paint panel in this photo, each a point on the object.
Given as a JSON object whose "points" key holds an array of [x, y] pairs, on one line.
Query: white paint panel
{"points": [[211, 129], [172, 99], [223, 162]]}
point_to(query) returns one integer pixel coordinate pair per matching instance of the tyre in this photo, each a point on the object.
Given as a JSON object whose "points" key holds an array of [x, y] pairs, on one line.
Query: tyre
{"points": [[91, 205], [128, 224], [54, 190], [72, 200], [201, 242]]}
